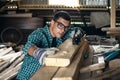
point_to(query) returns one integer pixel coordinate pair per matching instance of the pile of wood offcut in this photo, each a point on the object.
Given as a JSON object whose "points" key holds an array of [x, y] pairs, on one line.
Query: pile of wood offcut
{"points": [[10, 62]]}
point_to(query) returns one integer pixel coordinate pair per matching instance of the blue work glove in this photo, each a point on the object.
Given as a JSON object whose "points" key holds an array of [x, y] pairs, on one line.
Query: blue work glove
{"points": [[76, 36], [41, 53]]}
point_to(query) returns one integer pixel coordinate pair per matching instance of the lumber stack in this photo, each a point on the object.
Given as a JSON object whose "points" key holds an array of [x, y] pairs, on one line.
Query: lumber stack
{"points": [[69, 72], [10, 62], [93, 67], [112, 31], [100, 70]]}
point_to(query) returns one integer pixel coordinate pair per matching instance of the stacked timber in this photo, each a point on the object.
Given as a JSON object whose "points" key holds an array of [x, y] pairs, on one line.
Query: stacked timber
{"points": [[112, 31], [10, 62], [110, 74], [100, 69], [69, 62], [71, 56]]}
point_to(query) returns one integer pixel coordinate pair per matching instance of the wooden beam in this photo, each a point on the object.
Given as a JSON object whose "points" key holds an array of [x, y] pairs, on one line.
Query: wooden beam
{"points": [[18, 15], [11, 73], [106, 74], [93, 67], [15, 63], [48, 72], [111, 29], [114, 63], [113, 33], [71, 72], [45, 73], [113, 13], [63, 57], [112, 19], [4, 52]]}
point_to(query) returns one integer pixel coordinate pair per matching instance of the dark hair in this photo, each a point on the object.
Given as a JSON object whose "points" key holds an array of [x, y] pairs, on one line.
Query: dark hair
{"points": [[63, 14]]}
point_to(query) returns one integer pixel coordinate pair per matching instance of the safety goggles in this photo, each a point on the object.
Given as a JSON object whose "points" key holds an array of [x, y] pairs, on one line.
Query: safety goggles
{"points": [[62, 26]]}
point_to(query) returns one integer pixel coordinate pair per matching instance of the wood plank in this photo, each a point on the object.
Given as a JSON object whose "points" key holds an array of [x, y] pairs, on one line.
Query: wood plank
{"points": [[100, 61], [4, 66], [113, 32], [113, 13], [93, 67], [2, 49], [10, 58], [6, 51], [106, 74], [3, 62], [15, 63], [114, 63], [18, 15], [111, 29], [45, 73], [87, 62], [11, 73], [71, 72], [63, 57]]}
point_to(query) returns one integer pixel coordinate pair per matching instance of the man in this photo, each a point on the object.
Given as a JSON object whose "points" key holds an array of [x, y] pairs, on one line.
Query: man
{"points": [[43, 41]]}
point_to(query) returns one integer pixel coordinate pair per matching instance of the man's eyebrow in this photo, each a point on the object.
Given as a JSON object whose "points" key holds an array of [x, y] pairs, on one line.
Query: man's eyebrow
{"points": [[63, 24]]}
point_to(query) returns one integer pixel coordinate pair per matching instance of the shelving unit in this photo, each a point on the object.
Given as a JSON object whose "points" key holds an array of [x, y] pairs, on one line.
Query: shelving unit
{"points": [[80, 14], [39, 8]]}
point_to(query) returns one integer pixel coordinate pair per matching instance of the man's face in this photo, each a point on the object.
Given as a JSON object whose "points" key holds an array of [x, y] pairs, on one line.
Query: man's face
{"points": [[59, 27]]}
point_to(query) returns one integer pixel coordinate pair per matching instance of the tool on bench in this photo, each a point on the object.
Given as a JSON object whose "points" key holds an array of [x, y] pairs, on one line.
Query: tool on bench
{"points": [[77, 38], [112, 55], [109, 55], [78, 34]]}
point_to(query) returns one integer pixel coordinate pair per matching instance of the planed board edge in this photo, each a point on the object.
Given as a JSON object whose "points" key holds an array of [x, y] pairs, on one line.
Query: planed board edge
{"points": [[63, 57]]}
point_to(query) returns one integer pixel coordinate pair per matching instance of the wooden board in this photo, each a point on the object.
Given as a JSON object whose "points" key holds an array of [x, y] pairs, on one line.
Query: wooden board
{"points": [[106, 74], [114, 33], [71, 72], [44, 73], [114, 63], [113, 13], [111, 29], [48, 72], [63, 57], [93, 67], [87, 62]]}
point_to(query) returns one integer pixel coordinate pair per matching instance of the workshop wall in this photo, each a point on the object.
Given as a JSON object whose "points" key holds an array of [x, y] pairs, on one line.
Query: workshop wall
{"points": [[17, 29]]}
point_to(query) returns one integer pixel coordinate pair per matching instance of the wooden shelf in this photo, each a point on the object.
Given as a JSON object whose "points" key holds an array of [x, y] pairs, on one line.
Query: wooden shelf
{"points": [[60, 7]]}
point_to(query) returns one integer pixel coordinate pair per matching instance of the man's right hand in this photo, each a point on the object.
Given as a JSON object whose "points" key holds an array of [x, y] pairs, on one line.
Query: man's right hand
{"points": [[41, 53]]}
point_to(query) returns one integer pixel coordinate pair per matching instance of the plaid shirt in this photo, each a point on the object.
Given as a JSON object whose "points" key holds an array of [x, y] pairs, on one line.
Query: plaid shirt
{"points": [[42, 38]]}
